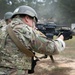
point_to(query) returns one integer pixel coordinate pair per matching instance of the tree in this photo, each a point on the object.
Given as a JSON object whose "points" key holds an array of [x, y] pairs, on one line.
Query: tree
{"points": [[61, 10]]}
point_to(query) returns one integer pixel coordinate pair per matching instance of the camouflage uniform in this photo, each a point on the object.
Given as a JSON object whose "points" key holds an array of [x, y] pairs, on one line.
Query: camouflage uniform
{"points": [[12, 60], [2, 23]]}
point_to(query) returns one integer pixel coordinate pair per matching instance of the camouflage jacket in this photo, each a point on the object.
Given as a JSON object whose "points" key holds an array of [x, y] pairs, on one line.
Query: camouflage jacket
{"points": [[2, 23], [10, 54]]}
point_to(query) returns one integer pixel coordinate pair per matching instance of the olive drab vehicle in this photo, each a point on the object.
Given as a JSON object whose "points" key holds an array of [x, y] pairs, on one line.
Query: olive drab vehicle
{"points": [[47, 29]]}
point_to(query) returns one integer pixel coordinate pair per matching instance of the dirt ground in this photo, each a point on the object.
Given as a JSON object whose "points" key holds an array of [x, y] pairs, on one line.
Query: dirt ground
{"points": [[63, 65]]}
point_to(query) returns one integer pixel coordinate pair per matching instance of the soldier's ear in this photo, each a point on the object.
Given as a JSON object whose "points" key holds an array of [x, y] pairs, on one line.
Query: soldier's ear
{"points": [[26, 18]]}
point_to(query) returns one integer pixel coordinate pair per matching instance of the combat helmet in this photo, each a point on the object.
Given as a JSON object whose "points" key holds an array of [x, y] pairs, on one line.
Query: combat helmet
{"points": [[8, 15], [25, 10]]}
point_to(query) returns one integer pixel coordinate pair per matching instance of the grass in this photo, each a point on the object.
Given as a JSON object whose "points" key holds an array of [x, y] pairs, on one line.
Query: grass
{"points": [[71, 42], [70, 48]]}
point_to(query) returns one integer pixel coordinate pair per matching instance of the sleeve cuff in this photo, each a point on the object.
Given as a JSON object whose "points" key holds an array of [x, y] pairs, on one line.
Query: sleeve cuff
{"points": [[63, 43]]}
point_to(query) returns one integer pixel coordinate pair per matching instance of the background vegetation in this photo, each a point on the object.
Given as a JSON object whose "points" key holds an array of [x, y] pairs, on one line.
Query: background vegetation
{"points": [[62, 11]]}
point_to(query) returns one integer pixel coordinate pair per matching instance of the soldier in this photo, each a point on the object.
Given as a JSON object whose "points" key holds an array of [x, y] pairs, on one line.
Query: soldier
{"points": [[12, 59], [7, 17]]}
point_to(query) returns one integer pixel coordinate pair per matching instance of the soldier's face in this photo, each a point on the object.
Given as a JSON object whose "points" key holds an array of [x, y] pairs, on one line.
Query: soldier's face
{"points": [[30, 21], [8, 21]]}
